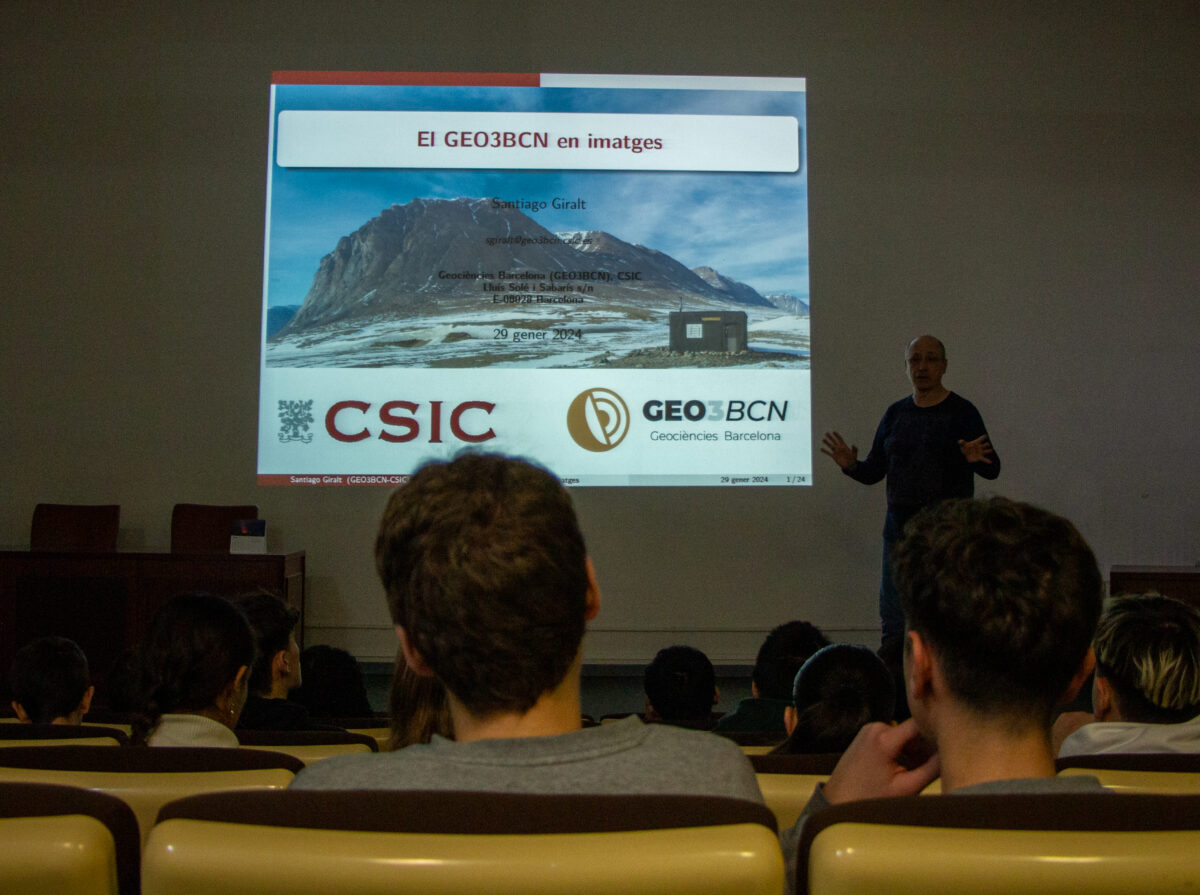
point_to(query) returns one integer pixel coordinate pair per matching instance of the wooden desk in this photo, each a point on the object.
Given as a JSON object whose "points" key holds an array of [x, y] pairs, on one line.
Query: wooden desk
{"points": [[104, 601], [1180, 582]]}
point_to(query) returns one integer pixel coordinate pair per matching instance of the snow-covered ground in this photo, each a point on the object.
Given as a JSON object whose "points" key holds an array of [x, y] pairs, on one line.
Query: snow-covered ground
{"points": [[494, 338]]}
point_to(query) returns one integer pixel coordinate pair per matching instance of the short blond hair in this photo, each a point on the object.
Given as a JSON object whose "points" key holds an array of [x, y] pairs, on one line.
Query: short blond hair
{"points": [[1148, 649]]}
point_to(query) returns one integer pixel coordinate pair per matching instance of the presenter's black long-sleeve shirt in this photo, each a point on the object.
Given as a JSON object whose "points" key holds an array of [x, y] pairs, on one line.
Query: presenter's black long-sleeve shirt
{"points": [[917, 449]]}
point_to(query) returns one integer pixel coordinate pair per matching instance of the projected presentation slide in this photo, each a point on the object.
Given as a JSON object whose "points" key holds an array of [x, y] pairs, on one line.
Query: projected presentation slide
{"points": [[607, 274]]}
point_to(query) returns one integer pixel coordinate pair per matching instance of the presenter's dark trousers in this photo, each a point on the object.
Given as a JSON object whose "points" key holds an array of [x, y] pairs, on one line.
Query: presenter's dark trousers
{"points": [[891, 616]]}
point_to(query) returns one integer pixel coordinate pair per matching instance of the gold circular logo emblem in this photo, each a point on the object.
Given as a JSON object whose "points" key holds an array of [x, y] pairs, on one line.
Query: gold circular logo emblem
{"points": [[598, 419]]}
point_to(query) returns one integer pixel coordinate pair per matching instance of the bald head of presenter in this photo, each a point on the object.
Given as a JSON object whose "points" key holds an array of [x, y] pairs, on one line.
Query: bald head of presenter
{"points": [[929, 446]]}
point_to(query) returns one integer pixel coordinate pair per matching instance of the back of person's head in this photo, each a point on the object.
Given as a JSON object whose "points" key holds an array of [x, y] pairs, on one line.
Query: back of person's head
{"points": [[193, 650], [485, 569], [120, 693], [838, 690], [1006, 595], [1148, 649], [333, 685], [273, 622], [786, 648], [680, 684], [49, 679], [417, 708]]}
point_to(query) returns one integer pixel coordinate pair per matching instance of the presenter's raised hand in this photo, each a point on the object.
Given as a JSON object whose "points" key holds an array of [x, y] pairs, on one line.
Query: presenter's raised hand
{"points": [[977, 451], [844, 455]]}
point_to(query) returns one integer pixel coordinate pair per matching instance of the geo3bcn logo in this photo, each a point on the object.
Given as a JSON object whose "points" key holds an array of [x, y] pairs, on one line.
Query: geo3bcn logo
{"points": [[598, 419]]}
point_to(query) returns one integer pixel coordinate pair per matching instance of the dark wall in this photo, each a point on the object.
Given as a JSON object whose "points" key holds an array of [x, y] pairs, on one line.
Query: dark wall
{"points": [[1020, 179]]}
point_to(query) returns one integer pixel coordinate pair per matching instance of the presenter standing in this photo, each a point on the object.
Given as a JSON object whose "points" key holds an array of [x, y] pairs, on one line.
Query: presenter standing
{"points": [[929, 446]]}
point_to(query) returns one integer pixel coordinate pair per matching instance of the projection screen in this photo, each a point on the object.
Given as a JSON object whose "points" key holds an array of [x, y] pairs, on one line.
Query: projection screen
{"points": [[607, 274]]}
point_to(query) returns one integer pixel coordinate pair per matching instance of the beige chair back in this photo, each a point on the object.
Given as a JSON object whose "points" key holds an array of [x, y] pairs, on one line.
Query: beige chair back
{"points": [[67, 853], [756, 750], [104, 718], [61, 839], [373, 726], [1165, 782], [319, 752], [381, 735], [787, 782], [195, 851], [1166, 773], [1099, 843], [61, 735], [77, 741], [146, 793], [866, 859], [787, 794], [145, 778], [309, 745]]}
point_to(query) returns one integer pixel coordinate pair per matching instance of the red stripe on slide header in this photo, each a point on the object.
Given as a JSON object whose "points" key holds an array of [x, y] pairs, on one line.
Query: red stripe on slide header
{"points": [[401, 78]]}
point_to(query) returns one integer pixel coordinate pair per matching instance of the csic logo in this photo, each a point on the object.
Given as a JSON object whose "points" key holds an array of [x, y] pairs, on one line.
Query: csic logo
{"points": [[294, 419], [598, 419], [343, 417]]}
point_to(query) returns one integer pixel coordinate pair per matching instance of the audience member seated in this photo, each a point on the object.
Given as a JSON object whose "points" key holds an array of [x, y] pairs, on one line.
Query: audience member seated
{"points": [[276, 671], [838, 690], [1001, 600], [779, 658], [417, 707], [681, 687], [193, 671], [490, 588], [1146, 690], [119, 696], [50, 682], [332, 684]]}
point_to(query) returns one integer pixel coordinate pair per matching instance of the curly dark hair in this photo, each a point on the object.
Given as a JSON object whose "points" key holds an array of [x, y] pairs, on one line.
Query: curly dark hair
{"points": [[1007, 595], [49, 678], [680, 684], [485, 568], [786, 648]]}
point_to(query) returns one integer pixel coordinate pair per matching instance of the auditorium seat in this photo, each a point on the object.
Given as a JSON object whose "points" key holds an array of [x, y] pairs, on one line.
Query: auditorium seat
{"points": [[205, 528], [65, 839], [12, 735], [374, 726], [438, 843], [309, 745], [381, 734], [757, 750], [1099, 843], [1161, 772], [357, 722], [75, 528], [147, 778], [754, 742], [106, 718], [787, 781]]}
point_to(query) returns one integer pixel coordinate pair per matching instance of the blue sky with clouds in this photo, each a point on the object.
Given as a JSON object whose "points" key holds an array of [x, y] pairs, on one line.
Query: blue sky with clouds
{"points": [[751, 227]]}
